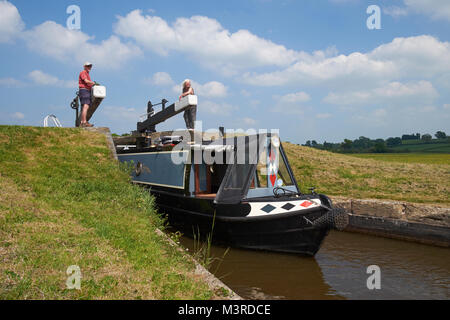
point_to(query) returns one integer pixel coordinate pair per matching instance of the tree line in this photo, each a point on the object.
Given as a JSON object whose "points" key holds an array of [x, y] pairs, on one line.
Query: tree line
{"points": [[367, 145]]}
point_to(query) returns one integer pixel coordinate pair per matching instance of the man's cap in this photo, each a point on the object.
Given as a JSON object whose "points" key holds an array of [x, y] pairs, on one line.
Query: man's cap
{"points": [[87, 64]]}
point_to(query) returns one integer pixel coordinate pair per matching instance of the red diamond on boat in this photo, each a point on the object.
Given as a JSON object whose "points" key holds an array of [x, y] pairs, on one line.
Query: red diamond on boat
{"points": [[306, 204]]}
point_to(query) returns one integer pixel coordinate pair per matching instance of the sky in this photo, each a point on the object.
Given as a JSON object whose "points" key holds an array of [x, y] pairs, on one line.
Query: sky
{"points": [[315, 70]]}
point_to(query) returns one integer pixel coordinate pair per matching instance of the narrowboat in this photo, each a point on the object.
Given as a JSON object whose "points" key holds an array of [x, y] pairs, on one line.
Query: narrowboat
{"points": [[239, 189]]}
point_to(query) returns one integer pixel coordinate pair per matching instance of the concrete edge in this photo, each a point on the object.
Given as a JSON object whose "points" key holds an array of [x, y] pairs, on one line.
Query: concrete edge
{"points": [[427, 224], [109, 139], [398, 229]]}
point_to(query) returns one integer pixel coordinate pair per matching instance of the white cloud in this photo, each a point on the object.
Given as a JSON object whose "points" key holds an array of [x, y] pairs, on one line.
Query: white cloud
{"points": [[436, 9], [356, 66], [376, 118], [446, 106], [295, 97], [423, 56], [18, 116], [161, 79], [41, 78], [395, 11], [206, 41], [119, 113], [249, 121], [11, 24], [11, 83], [392, 93], [291, 104], [212, 89], [214, 108], [58, 42], [403, 58]]}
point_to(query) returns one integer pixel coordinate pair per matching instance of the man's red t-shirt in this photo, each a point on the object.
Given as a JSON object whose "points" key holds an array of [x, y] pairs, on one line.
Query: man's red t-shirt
{"points": [[84, 75]]}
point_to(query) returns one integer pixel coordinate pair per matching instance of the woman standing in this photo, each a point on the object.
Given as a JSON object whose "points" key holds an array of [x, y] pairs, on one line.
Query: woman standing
{"points": [[190, 113]]}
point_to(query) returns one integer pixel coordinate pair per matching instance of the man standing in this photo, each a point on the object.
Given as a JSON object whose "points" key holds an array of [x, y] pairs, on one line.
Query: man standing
{"points": [[85, 85]]}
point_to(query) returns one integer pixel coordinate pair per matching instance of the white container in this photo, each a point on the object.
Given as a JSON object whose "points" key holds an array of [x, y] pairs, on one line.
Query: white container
{"points": [[99, 92], [186, 101]]}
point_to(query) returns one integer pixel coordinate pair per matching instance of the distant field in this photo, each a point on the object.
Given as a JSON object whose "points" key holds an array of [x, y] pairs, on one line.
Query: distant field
{"points": [[426, 158], [434, 141], [419, 146], [416, 178]]}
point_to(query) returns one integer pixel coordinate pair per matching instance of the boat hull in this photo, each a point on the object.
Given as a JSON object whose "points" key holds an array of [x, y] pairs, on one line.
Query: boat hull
{"points": [[288, 233]]}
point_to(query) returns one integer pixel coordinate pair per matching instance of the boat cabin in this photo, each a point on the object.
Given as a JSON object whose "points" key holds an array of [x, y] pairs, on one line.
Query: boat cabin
{"points": [[226, 170]]}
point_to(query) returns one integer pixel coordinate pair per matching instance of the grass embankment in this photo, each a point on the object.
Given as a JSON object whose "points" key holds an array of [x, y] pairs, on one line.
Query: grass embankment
{"points": [[360, 178], [64, 202]]}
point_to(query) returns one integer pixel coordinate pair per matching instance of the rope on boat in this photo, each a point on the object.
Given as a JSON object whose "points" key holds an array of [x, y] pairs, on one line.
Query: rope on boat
{"points": [[335, 218]]}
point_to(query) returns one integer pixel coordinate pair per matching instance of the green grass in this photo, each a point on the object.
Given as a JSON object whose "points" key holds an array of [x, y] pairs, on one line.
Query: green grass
{"points": [[425, 158], [405, 177], [65, 202]]}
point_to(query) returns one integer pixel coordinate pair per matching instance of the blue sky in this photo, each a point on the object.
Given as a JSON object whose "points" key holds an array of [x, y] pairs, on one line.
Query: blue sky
{"points": [[309, 68]]}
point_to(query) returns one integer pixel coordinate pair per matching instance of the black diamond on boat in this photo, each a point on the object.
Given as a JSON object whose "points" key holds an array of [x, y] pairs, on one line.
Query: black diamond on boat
{"points": [[268, 208], [288, 206]]}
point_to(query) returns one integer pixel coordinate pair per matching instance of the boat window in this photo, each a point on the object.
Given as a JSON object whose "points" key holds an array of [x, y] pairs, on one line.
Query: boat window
{"points": [[271, 171], [262, 171]]}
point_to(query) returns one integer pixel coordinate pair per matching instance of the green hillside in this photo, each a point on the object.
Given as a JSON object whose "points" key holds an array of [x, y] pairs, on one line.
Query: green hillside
{"points": [[64, 202], [351, 176]]}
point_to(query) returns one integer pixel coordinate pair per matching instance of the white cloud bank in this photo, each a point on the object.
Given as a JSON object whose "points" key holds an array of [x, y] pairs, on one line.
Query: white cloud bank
{"points": [[56, 41], [391, 93], [207, 42], [412, 57], [11, 24], [436, 9], [39, 77]]}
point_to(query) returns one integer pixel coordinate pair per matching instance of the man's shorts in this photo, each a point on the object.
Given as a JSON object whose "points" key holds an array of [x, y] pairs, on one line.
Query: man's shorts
{"points": [[85, 96]]}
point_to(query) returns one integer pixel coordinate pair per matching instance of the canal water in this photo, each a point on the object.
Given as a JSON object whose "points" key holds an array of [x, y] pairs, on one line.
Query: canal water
{"points": [[338, 271]]}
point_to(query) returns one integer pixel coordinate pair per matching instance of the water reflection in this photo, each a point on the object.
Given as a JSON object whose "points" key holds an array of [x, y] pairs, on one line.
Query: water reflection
{"points": [[338, 271], [408, 270]]}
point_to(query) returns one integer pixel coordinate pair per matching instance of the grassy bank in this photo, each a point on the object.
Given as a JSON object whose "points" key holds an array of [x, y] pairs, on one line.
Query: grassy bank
{"points": [[64, 202], [350, 176]]}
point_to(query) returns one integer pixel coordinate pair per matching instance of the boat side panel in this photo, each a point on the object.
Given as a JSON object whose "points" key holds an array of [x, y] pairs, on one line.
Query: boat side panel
{"points": [[158, 168]]}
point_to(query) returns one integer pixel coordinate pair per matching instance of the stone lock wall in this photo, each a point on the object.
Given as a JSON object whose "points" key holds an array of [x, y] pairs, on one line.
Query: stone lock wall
{"points": [[412, 212]]}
